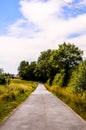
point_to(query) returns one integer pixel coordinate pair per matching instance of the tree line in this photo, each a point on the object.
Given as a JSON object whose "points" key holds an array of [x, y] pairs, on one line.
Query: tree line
{"points": [[59, 67]]}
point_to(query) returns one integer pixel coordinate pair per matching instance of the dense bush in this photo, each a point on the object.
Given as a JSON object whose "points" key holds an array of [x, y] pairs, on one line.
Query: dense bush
{"points": [[77, 82], [58, 80], [73, 80], [81, 78], [4, 79]]}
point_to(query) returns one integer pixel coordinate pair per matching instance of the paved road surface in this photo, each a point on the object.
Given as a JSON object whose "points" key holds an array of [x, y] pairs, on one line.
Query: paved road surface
{"points": [[43, 111]]}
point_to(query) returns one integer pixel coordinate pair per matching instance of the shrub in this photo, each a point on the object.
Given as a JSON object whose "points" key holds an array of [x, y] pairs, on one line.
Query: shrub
{"points": [[4, 79], [73, 80], [58, 80], [81, 80], [77, 82]]}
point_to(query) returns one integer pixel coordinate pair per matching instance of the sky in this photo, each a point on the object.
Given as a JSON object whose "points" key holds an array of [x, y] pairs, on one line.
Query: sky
{"points": [[28, 27]]}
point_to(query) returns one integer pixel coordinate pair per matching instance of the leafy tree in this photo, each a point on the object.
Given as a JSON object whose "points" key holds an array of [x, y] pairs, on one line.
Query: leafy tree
{"points": [[81, 78], [43, 67], [67, 56], [26, 70], [30, 71], [22, 69]]}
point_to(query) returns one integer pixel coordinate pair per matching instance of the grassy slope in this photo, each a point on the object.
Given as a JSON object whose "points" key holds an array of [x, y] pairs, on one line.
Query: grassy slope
{"points": [[76, 102], [11, 96]]}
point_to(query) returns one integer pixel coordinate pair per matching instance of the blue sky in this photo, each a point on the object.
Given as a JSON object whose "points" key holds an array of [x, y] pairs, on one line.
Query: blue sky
{"points": [[74, 9], [9, 13], [28, 27]]}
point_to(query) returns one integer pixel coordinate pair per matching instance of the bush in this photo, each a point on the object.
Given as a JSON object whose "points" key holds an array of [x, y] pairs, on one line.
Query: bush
{"points": [[4, 79], [73, 80], [77, 82], [58, 80], [81, 80]]}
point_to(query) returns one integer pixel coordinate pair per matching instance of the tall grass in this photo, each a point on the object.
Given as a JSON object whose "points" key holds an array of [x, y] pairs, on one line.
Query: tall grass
{"points": [[75, 101], [13, 94]]}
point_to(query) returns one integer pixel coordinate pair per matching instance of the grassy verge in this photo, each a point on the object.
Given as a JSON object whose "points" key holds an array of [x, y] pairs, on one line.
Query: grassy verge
{"points": [[75, 101], [14, 94]]}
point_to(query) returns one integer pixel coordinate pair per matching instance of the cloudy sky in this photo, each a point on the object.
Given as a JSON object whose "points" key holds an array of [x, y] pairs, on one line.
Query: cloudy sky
{"points": [[28, 27]]}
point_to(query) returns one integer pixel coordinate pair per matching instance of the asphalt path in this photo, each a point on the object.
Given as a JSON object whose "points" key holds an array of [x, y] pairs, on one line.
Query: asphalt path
{"points": [[43, 111]]}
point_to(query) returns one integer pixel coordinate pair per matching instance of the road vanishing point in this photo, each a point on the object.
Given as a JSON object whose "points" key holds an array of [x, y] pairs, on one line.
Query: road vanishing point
{"points": [[43, 111]]}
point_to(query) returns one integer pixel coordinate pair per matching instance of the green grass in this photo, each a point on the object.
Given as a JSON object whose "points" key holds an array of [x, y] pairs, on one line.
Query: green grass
{"points": [[75, 101], [14, 94]]}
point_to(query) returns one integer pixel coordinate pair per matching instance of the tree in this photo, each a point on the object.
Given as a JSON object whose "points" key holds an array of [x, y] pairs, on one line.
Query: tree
{"points": [[30, 71], [26, 70], [43, 67], [81, 78], [51, 62], [22, 69], [67, 56]]}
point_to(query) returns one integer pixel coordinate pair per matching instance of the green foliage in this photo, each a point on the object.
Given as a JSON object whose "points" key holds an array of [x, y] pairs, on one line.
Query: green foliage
{"points": [[58, 80], [4, 78], [67, 56], [23, 68], [81, 78], [43, 67], [77, 82], [73, 79], [51, 62], [31, 69], [26, 70], [63, 61]]}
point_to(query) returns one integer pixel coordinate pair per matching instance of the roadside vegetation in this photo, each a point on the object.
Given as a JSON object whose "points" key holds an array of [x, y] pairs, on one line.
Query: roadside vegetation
{"points": [[14, 93], [76, 101], [64, 71]]}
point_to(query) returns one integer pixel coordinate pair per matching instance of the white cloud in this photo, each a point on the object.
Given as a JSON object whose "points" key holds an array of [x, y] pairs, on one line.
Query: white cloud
{"points": [[46, 16], [42, 27], [17, 48], [14, 50], [40, 12], [16, 29], [68, 1]]}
